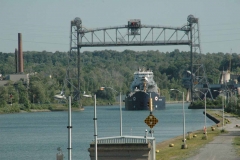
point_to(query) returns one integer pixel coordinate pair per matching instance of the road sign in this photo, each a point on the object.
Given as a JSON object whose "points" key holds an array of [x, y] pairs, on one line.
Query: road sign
{"points": [[151, 121]]}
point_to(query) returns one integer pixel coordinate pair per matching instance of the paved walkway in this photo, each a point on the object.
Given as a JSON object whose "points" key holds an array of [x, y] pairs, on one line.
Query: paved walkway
{"points": [[221, 147]]}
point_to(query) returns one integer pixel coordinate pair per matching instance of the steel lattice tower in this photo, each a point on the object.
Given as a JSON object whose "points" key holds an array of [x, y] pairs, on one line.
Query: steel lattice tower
{"points": [[198, 75]]}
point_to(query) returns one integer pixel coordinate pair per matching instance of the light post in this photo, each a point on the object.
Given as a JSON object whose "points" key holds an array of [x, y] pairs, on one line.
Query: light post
{"points": [[205, 110], [222, 112], [184, 145], [69, 129], [95, 125], [222, 108], [120, 106], [95, 122]]}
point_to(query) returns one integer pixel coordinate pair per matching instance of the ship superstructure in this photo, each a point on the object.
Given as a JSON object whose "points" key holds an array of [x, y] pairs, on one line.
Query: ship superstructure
{"points": [[142, 88]]}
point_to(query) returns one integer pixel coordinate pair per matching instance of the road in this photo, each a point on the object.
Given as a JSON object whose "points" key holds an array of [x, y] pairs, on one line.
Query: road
{"points": [[221, 147]]}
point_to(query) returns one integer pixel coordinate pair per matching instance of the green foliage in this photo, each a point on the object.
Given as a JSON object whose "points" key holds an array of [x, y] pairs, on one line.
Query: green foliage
{"points": [[75, 105], [236, 143], [209, 103], [10, 109], [198, 103], [3, 96], [106, 68]]}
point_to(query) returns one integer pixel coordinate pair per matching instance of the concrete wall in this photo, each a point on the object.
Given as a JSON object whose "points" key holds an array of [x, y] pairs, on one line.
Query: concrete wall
{"points": [[121, 151], [17, 77], [14, 78]]}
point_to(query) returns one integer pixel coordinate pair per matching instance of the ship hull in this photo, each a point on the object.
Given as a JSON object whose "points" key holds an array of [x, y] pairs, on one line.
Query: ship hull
{"points": [[139, 101]]}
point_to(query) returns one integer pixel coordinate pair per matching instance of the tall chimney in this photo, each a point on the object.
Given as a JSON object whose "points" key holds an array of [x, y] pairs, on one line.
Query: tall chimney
{"points": [[20, 54], [16, 59]]}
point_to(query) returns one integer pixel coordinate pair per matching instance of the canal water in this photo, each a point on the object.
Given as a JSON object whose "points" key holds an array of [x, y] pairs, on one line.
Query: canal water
{"points": [[37, 136]]}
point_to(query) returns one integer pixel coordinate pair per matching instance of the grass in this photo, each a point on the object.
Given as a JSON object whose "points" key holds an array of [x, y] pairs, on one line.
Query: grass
{"points": [[167, 153], [194, 144], [236, 144]]}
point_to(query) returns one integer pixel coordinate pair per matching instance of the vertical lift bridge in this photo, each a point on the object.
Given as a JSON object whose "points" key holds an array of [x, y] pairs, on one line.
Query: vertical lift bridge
{"points": [[134, 33]]}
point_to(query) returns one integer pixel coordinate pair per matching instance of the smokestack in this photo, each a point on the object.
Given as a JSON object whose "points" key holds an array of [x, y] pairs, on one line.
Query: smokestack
{"points": [[20, 54], [16, 59]]}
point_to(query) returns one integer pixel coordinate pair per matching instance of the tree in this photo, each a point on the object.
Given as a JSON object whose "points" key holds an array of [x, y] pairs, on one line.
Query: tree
{"points": [[3, 96]]}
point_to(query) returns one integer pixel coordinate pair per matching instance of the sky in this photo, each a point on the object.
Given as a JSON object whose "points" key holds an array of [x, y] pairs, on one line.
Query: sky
{"points": [[45, 24]]}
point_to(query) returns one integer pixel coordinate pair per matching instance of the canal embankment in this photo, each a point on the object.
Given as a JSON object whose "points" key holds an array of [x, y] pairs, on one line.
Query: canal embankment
{"points": [[171, 149]]}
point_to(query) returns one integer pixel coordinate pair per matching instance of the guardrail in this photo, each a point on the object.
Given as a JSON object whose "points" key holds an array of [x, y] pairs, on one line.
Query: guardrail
{"points": [[124, 140]]}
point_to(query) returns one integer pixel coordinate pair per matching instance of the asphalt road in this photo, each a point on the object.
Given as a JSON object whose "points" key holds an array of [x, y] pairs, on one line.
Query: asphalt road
{"points": [[221, 147]]}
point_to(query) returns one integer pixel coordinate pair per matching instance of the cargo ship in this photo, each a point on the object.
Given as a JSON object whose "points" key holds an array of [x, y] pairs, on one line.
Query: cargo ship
{"points": [[142, 89]]}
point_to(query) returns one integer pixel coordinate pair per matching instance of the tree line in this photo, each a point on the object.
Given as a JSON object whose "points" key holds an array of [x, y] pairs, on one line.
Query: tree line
{"points": [[108, 68]]}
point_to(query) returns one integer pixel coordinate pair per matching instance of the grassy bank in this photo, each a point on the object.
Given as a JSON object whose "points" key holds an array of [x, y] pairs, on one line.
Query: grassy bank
{"points": [[236, 143], [40, 107], [194, 142], [16, 108]]}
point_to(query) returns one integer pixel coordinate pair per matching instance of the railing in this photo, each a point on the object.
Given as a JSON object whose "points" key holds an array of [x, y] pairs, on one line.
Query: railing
{"points": [[124, 140]]}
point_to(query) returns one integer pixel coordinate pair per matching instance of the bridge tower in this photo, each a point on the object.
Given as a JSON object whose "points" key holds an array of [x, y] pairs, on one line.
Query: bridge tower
{"points": [[72, 79], [197, 75]]}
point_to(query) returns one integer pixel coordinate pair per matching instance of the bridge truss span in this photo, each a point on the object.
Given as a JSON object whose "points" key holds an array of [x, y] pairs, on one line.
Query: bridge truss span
{"points": [[131, 34], [125, 35]]}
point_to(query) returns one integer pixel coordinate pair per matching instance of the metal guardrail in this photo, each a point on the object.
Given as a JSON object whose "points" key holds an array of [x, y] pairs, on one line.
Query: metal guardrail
{"points": [[124, 140]]}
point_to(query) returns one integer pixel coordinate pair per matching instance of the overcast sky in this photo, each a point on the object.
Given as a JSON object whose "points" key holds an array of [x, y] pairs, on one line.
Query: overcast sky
{"points": [[45, 24]]}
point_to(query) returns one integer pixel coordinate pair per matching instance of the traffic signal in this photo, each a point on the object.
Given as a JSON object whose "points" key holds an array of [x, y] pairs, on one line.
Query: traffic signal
{"points": [[149, 104]]}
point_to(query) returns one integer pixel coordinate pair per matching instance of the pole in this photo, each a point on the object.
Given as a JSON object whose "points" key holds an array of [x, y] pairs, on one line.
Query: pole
{"points": [[151, 130], [78, 71], [120, 107], [69, 130], [154, 149], [205, 110], [146, 133], [95, 126], [191, 52], [150, 104], [222, 112], [225, 95], [184, 140], [184, 145]]}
